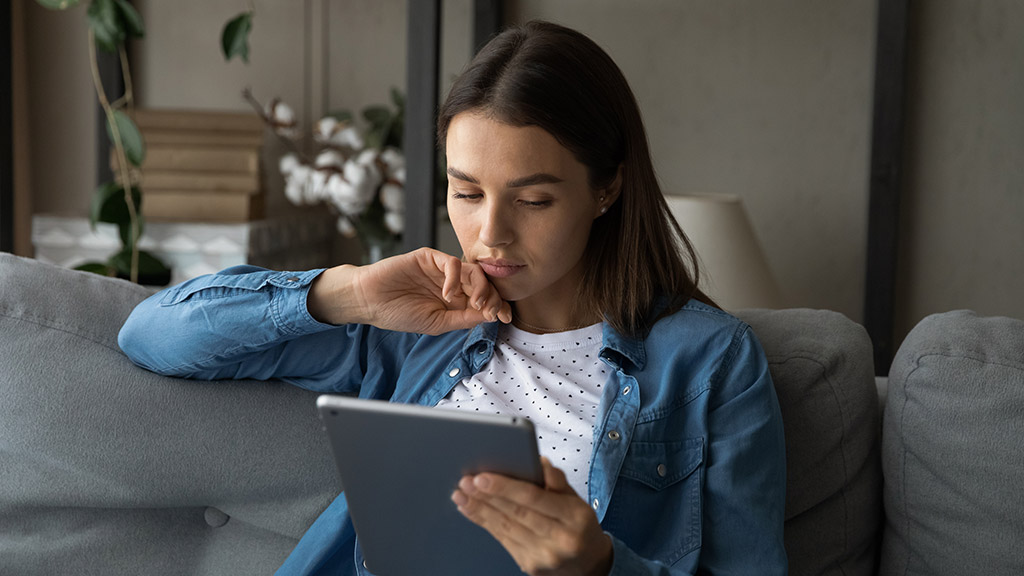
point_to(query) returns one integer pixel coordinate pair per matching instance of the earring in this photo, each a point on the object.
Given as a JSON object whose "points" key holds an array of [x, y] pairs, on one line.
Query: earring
{"points": [[604, 209]]}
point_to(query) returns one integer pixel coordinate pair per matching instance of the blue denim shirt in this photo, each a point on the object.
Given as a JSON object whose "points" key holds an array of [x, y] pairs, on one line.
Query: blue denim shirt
{"points": [[688, 468]]}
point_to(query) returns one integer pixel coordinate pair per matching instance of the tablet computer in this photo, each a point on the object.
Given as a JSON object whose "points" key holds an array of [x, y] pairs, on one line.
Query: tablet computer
{"points": [[399, 465]]}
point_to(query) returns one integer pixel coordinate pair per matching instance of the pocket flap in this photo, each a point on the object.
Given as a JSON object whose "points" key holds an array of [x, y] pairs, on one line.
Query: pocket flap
{"points": [[661, 464]]}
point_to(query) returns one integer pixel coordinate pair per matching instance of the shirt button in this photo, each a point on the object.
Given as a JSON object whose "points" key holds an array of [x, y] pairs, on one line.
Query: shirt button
{"points": [[454, 372], [365, 566], [293, 279], [662, 470], [482, 351], [595, 504], [614, 435], [625, 391]]}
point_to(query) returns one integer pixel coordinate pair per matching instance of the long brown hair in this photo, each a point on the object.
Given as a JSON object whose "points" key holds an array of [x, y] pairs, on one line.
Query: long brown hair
{"points": [[545, 75]]}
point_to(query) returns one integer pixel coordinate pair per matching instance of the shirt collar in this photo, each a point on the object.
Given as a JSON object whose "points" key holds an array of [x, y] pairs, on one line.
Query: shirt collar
{"points": [[618, 346], [481, 337], [615, 346]]}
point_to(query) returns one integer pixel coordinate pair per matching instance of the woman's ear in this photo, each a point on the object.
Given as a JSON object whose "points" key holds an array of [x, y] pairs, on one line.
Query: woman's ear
{"points": [[610, 194]]}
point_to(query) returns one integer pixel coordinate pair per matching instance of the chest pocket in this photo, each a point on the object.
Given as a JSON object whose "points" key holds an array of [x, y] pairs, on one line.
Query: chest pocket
{"points": [[656, 507], [661, 464]]}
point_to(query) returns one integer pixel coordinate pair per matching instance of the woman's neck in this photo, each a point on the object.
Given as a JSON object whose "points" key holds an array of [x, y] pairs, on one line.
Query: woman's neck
{"points": [[545, 321]]}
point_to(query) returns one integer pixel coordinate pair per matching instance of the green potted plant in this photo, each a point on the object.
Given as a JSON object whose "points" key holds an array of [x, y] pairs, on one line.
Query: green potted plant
{"points": [[119, 202]]}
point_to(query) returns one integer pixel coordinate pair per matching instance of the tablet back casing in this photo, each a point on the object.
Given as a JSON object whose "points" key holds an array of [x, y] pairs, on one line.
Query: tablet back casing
{"points": [[399, 465]]}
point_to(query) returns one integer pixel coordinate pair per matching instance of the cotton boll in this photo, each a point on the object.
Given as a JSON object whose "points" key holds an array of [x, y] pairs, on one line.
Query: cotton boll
{"points": [[367, 157], [345, 227], [329, 159], [316, 190], [294, 190], [345, 196], [398, 174], [393, 158], [325, 128], [392, 196], [347, 136], [394, 221], [295, 185], [279, 112], [364, 178], [288, 163], [282, 118]]}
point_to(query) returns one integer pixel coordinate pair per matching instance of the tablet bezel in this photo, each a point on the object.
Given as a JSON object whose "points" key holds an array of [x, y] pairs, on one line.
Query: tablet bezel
{"points": [[399, 465]]}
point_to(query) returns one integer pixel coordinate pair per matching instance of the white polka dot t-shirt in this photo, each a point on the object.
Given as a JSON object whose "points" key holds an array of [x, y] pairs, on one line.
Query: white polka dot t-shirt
{"points": [[554, 380]]}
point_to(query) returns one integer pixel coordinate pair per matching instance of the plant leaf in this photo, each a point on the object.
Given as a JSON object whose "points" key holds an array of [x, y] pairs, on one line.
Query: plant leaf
{"points": [[234, 40], [57, 4], [106, 24], [377, 116], [97, 268], [125, 229], [100, 198], [398, 98], [131, 138], [151, 269], [341, 115], [108, 205], [131, 19]]}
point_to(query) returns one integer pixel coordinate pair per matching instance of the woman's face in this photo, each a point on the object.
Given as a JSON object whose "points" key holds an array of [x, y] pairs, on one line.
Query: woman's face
{"points": [[522, 208]]}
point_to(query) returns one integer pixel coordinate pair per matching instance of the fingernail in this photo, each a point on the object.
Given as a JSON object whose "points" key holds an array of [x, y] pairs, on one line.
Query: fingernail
{"points": [[466, 485], [479, 304], [482, 482], [459, 498]]}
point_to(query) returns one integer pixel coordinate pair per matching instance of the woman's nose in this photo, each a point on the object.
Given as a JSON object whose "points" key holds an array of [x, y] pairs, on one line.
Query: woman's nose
{"points": [[496, 229]]}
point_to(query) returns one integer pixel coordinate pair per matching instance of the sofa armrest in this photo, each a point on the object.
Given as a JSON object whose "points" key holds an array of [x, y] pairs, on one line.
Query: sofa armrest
{"points": [[105, 467]]}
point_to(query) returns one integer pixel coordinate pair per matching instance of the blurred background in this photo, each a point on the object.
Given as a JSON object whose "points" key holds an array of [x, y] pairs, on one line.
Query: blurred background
{"points": [[770, 101]]}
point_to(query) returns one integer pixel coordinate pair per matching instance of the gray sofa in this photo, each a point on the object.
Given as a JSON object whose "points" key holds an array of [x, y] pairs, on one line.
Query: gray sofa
{"points": [[108, 469]]}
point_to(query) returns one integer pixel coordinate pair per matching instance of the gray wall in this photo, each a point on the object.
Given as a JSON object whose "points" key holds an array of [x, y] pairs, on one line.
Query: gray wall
{"points": [[770, 100], [963, 216]]}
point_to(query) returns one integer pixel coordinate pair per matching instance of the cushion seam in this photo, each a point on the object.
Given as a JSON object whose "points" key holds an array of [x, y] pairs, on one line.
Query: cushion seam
{"points": [[46, 323], [802, 355], [970, 355]]}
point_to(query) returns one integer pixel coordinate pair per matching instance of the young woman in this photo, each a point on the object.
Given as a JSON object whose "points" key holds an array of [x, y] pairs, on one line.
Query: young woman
{"points": [[573, 305]]}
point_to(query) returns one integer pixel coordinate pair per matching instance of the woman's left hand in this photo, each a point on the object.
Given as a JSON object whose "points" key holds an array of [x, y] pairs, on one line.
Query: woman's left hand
{"points": [[547, 530]]}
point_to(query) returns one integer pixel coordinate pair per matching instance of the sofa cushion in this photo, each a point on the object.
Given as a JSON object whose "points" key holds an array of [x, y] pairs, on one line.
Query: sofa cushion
{"points": [[953, 449], [822, 368], [106, 468]]}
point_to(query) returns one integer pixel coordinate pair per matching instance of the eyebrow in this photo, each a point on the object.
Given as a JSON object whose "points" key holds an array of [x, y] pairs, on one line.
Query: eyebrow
{"points": [[531, 180]]}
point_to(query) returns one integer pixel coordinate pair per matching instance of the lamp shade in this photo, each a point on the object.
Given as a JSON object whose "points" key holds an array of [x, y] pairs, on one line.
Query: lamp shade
{"points": [[733, 269]]}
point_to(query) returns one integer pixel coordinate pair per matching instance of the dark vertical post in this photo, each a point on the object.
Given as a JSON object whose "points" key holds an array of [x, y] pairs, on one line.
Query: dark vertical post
{"points": [[423, 64], [487, 20], [884, 195], [6, 133], [109, 64]]}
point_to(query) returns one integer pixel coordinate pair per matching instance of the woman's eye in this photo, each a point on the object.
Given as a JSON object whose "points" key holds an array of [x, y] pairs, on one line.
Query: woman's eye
{"points": [[462, 196], [536, 203]]}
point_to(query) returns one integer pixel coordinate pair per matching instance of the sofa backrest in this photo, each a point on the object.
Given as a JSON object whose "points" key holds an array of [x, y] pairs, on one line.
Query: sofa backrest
{"points": [[822, 367], [953, 449], [106, 468]]}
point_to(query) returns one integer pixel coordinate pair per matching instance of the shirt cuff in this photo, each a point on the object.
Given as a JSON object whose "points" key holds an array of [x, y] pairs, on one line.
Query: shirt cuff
{"points": [[289, 307]]}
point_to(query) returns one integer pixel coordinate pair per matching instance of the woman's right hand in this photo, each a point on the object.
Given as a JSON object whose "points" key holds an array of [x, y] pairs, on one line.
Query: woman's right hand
{"points": [[425, 292]]}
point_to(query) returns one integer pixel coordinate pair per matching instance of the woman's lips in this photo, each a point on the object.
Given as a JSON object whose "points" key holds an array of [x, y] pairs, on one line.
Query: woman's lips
{"points": [[500, 268]]}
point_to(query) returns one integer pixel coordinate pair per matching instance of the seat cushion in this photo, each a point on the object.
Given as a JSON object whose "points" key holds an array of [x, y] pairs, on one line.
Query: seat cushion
{"points": [[821, 365], [953, 449], [106, 468]]}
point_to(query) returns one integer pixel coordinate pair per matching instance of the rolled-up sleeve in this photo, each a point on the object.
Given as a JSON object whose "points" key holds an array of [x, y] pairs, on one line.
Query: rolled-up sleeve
{"points": [[245, 322]]}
